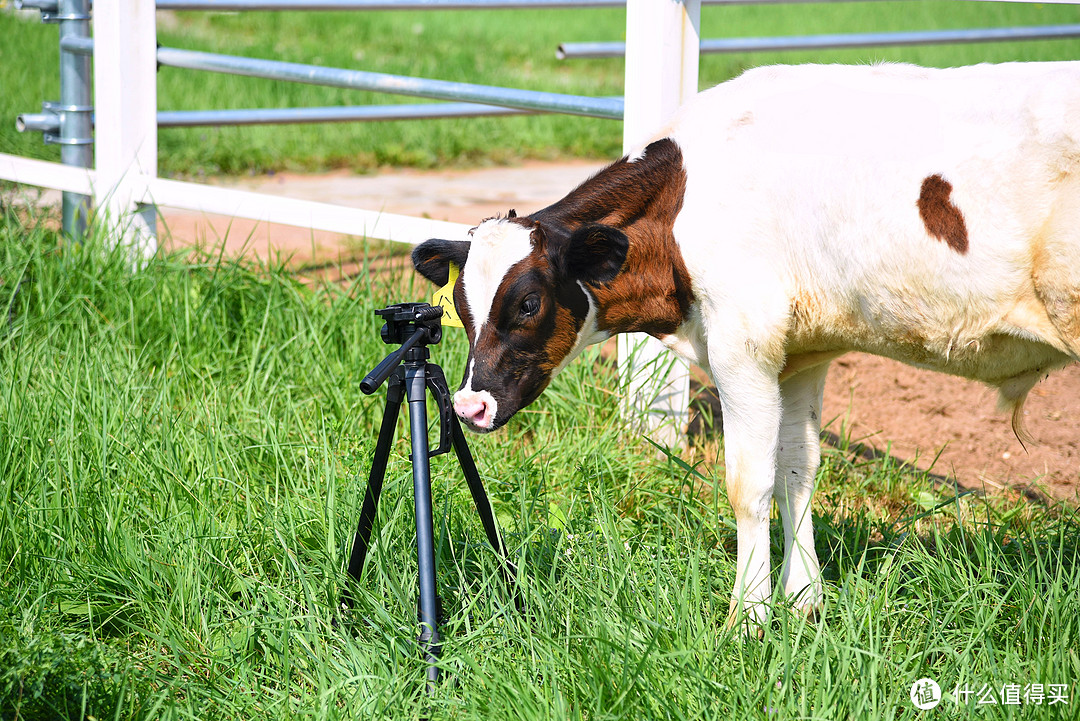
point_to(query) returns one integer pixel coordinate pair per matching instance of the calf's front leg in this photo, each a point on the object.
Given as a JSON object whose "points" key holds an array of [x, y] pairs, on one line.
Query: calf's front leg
{"points": [[750, 398]]}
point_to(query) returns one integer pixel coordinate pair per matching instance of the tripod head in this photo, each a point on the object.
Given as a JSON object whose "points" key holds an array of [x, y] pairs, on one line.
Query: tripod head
{"points": [[403, 320], [414, 326]]}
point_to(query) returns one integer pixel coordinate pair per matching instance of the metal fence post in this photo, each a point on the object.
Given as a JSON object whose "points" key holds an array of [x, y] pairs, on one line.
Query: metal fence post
{"points": [[662, 38], [125, 94], [75, 111]]}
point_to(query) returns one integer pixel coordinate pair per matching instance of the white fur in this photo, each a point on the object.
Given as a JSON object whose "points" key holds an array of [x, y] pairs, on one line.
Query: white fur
{"points": [[802, 236], [497, 244]]}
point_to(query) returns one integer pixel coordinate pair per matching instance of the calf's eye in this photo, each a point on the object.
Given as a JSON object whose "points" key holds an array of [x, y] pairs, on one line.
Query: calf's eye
{"points": [[530, 306]]}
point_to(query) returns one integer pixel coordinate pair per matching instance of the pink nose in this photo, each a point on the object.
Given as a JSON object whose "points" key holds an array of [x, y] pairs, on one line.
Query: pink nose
{"points": [[478, 409]]}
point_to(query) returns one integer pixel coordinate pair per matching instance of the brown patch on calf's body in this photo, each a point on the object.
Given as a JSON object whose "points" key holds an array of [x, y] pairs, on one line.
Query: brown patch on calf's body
{"points": [[652, 293], [942, 218]]}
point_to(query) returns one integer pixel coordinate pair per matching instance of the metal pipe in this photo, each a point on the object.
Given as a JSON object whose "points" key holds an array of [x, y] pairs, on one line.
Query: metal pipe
{"points": [[533, 100], [38, 123], [852, 40], [50, 122], [45, 6], [77, 45], [393, 84], [530, 100], [273, 5], [335, 114], [75, 112]]}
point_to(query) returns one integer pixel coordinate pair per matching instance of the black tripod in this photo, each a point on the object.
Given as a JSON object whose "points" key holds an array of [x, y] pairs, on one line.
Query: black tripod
{"points": [[415, 326]]}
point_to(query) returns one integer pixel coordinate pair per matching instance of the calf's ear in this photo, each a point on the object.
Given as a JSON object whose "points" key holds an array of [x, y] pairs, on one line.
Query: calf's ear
{"points": [[595, 253], [432, 258]]}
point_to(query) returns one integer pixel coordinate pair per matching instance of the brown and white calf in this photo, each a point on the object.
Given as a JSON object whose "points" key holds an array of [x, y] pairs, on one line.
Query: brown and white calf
{"points": [[782, 219]]}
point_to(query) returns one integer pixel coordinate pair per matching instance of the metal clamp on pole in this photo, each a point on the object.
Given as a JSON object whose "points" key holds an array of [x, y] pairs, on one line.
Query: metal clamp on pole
{"points": [[43, 122], [52, 119], [51, 12]]}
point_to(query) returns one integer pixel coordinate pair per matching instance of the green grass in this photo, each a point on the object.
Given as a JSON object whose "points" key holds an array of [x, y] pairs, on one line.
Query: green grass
{"points": [[182, 460], [510, 48]]}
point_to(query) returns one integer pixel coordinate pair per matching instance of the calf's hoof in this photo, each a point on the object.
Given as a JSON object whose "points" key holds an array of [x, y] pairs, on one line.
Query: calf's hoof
{"points": [[750, 618]]}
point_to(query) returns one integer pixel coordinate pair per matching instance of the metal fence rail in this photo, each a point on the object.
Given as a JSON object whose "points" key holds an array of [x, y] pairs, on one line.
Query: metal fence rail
{"points": [[532, 100], [50, 6], [275, 5], [332, 114], [836, 41], [393, 84], [49, 122]]}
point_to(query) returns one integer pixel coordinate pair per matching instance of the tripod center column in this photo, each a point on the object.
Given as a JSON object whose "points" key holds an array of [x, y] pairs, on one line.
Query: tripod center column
{"points": [[416, 392]]}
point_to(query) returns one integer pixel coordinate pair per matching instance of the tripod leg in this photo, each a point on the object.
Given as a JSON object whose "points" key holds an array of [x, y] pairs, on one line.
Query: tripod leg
{"points": [[416, 391], [483, 507], [361, 541]]}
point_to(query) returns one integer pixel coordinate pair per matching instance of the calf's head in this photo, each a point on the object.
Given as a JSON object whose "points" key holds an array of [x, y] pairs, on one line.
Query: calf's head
{"points": [[525, 300]]}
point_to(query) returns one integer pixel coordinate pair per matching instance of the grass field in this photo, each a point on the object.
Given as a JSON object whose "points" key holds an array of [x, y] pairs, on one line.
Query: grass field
{"points": [[511, 48], [182, 460]]}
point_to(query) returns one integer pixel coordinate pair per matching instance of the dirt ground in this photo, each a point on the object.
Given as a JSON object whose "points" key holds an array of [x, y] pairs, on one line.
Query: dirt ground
{"points": [[916, 415]]}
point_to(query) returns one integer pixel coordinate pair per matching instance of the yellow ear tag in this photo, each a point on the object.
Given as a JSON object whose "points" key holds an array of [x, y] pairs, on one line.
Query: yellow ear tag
{"points": [[445, 297]]}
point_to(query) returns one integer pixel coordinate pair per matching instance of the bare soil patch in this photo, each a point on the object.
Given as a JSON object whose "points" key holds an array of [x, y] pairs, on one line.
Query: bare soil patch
{"points": [[917, 415], [937, 422]]}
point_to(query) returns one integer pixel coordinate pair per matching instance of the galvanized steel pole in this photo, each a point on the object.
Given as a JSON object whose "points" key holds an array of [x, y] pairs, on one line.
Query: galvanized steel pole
{"points": [[50, 123], [75, 111]]}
